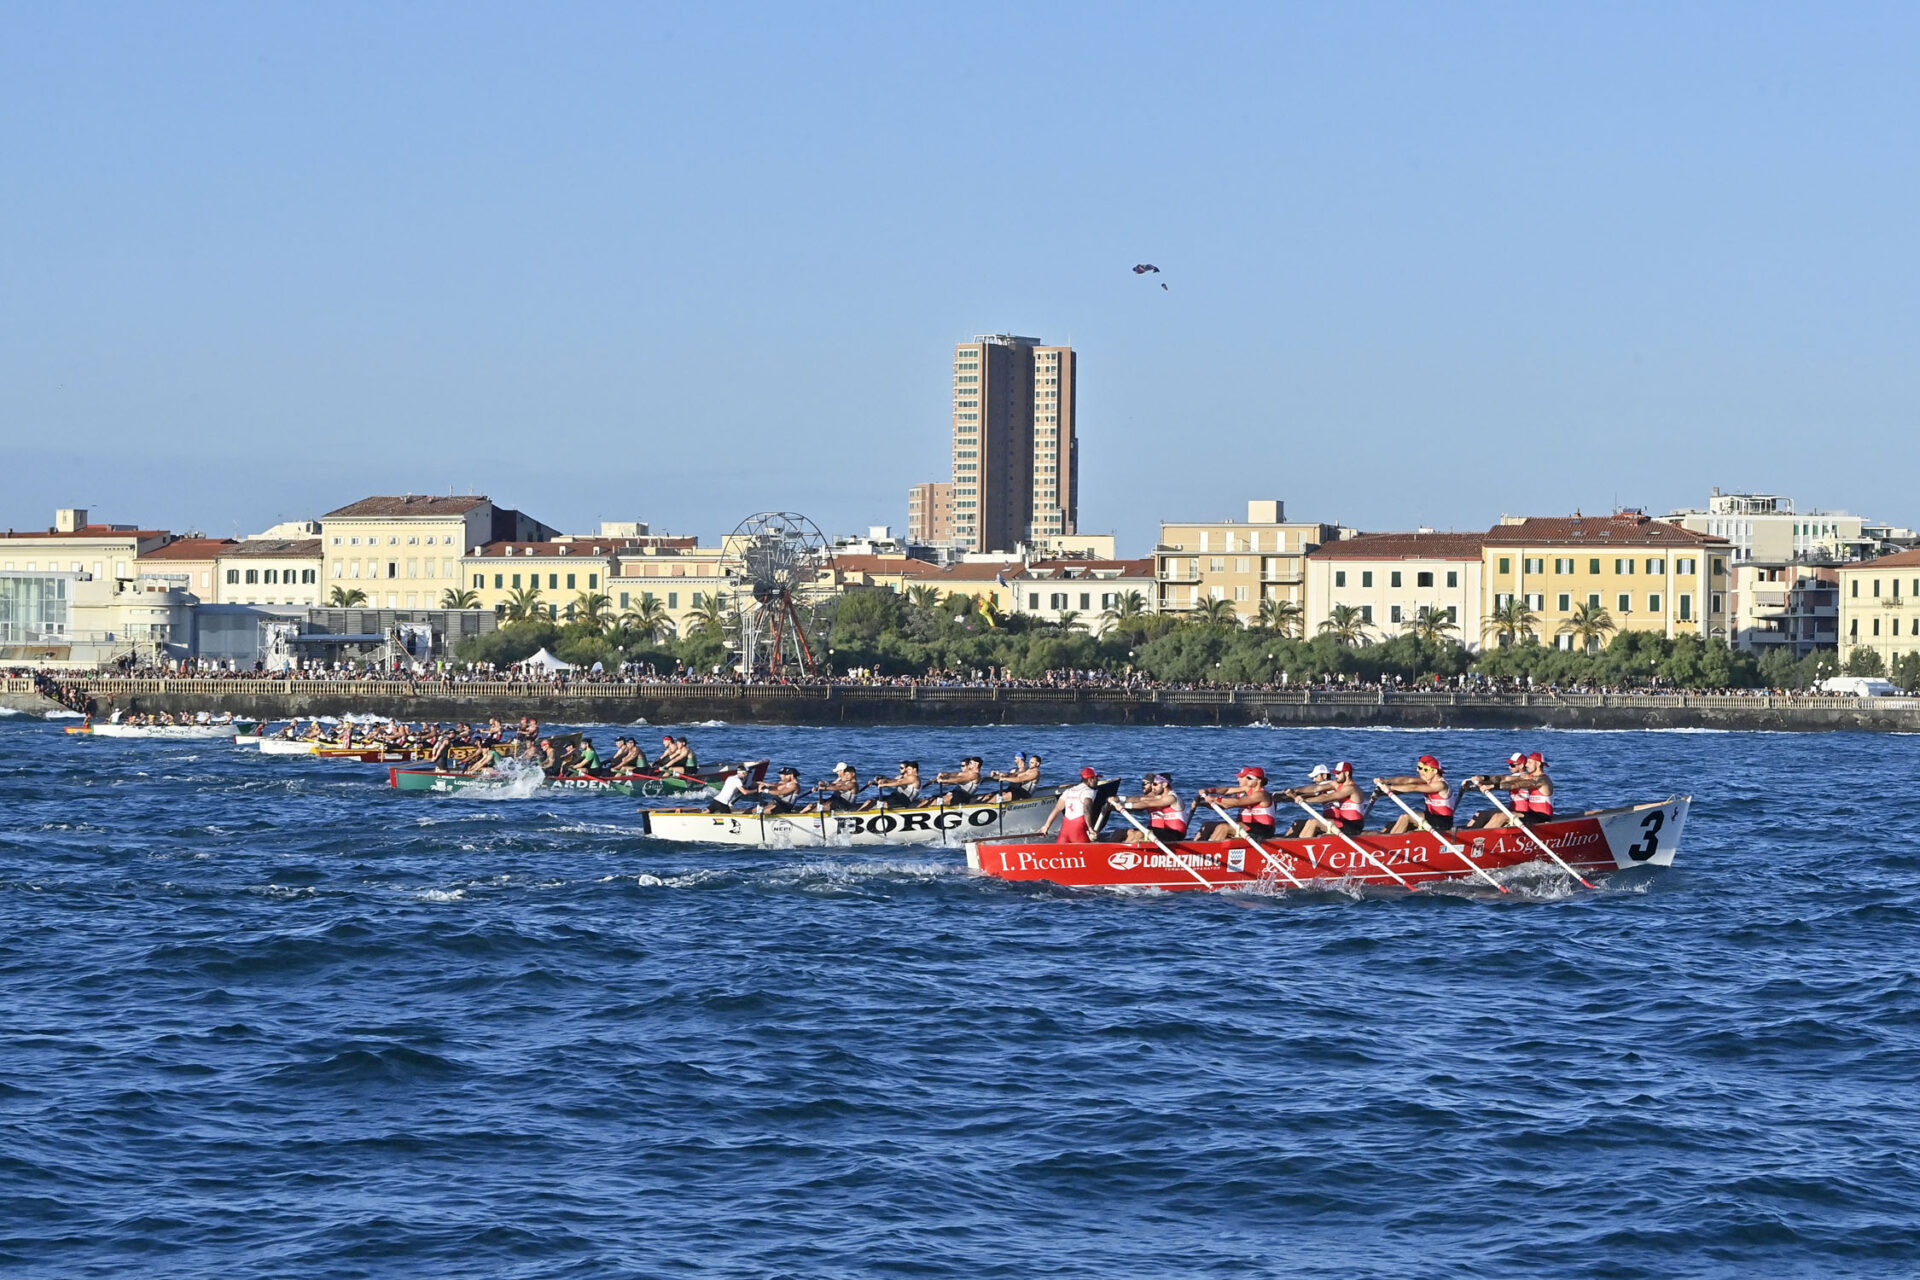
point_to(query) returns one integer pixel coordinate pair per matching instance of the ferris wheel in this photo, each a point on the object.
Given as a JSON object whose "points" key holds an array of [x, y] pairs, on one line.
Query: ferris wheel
{"points": [[782, 563]]}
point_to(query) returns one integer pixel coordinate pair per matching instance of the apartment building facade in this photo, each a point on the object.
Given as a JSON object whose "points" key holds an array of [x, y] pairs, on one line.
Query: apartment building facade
{"points": [[404, 551], [1649, 575], [1395, 579], [1086, 592], [1015, 442], [1879, 606], [930, 514], [1241, 561]]}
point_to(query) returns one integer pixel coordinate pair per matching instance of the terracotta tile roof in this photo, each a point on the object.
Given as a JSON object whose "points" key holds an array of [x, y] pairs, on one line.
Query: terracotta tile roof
{"points": [[1403, 546], [870, 564], [1598, 531], [90, 531], [190, 549], [1899, 560], [274, 548], [411, 504]]}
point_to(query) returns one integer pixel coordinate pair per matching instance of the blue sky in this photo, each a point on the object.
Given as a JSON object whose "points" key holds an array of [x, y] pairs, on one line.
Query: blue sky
{"points": [[1426, 263]]}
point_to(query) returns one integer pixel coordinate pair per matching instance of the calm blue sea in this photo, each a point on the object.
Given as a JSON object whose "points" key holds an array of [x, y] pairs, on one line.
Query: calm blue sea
{"points": [[265, 1016]]}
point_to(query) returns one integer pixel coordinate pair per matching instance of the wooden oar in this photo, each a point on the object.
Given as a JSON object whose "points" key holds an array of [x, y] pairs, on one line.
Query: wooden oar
{"points": [[1457, 850], [1171, 855], [1355, 845], [1253, 844], [1532, 835]]}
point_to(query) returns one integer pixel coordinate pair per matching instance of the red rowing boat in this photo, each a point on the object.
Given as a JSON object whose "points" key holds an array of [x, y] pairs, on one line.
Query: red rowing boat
{"points": [[1608, 840]]}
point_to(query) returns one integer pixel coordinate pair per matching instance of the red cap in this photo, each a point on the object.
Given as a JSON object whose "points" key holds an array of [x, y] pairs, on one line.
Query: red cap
{"points": [[1254, 771], [1429, 761], [1536, 758], [1343, 767], [1516, 758], [1088, 775]]}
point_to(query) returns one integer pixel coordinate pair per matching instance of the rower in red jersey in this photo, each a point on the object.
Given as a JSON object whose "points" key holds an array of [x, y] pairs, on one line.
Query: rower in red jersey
{"points": [[1431, 783], [1076, 803]]}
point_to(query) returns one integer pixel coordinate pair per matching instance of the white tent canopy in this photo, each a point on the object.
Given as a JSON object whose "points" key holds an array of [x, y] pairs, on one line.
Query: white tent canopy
{"points": [[547, 662]]}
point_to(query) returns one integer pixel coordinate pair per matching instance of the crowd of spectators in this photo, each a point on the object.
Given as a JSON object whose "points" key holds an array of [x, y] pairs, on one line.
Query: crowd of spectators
{"points": [[66, 689]]}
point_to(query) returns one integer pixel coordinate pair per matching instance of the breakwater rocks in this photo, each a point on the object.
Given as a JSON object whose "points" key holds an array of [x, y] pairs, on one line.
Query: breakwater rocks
{"points": [[671, 704]]}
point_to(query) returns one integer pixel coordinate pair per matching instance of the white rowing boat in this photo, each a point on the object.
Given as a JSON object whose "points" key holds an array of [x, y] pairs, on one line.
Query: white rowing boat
{"points": [[288, 747], [951, 825], [161, 731]]}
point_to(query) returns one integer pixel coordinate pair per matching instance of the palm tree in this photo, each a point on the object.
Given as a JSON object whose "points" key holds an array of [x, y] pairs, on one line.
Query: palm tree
{"points": [[1346, 624], [347, 598], [709, 617], [1125, 608], [1589, 624], [1068, 621], [1432, 624], [459, 598], [649, 619], [523, 604], [593, 609], [1283, 616], [924, 594], [1510, 621], [1217, 612]]}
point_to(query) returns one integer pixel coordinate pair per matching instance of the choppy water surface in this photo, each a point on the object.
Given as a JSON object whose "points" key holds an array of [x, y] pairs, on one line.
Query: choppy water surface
{"points": [[266, 1016]]}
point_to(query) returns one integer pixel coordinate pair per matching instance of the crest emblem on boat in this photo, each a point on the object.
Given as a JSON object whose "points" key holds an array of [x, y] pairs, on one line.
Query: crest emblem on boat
{"points": [[1123, 860]]}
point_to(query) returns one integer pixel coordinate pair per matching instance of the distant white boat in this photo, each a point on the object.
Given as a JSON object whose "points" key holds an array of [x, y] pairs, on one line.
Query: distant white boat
{"points": [[175, 731]]}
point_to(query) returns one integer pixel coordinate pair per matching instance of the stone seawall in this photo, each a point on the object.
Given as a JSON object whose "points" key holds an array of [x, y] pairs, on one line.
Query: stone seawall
{"points": [[774, 704]]}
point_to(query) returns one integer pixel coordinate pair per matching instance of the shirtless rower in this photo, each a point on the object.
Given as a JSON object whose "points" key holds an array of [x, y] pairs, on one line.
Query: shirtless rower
{"points": [[1345, 812], [1166, 816], [671, 754], [1431, 783], [1074, 808], [961, 784], [1515, 782], [1249, 791]]}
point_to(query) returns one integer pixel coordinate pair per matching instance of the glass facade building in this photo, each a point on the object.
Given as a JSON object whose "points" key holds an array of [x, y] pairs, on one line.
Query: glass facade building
{"points": [[35, 607]]}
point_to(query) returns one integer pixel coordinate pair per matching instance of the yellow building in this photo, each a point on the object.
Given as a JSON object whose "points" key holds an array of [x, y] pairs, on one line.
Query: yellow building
{"points": [[403, 552], [1244, 562], [684, 578], [1880, 606], [561, 570], [1648, 575]]}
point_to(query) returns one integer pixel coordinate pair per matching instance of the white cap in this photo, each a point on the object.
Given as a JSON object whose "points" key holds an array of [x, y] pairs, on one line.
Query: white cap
{"points": [[842, 767], [1318, 771]]}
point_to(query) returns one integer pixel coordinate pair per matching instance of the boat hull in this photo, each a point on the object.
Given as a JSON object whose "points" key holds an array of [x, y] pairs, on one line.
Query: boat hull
{"points": [[638, 785], [1645, 835], [163, 732], [950, 826]]}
